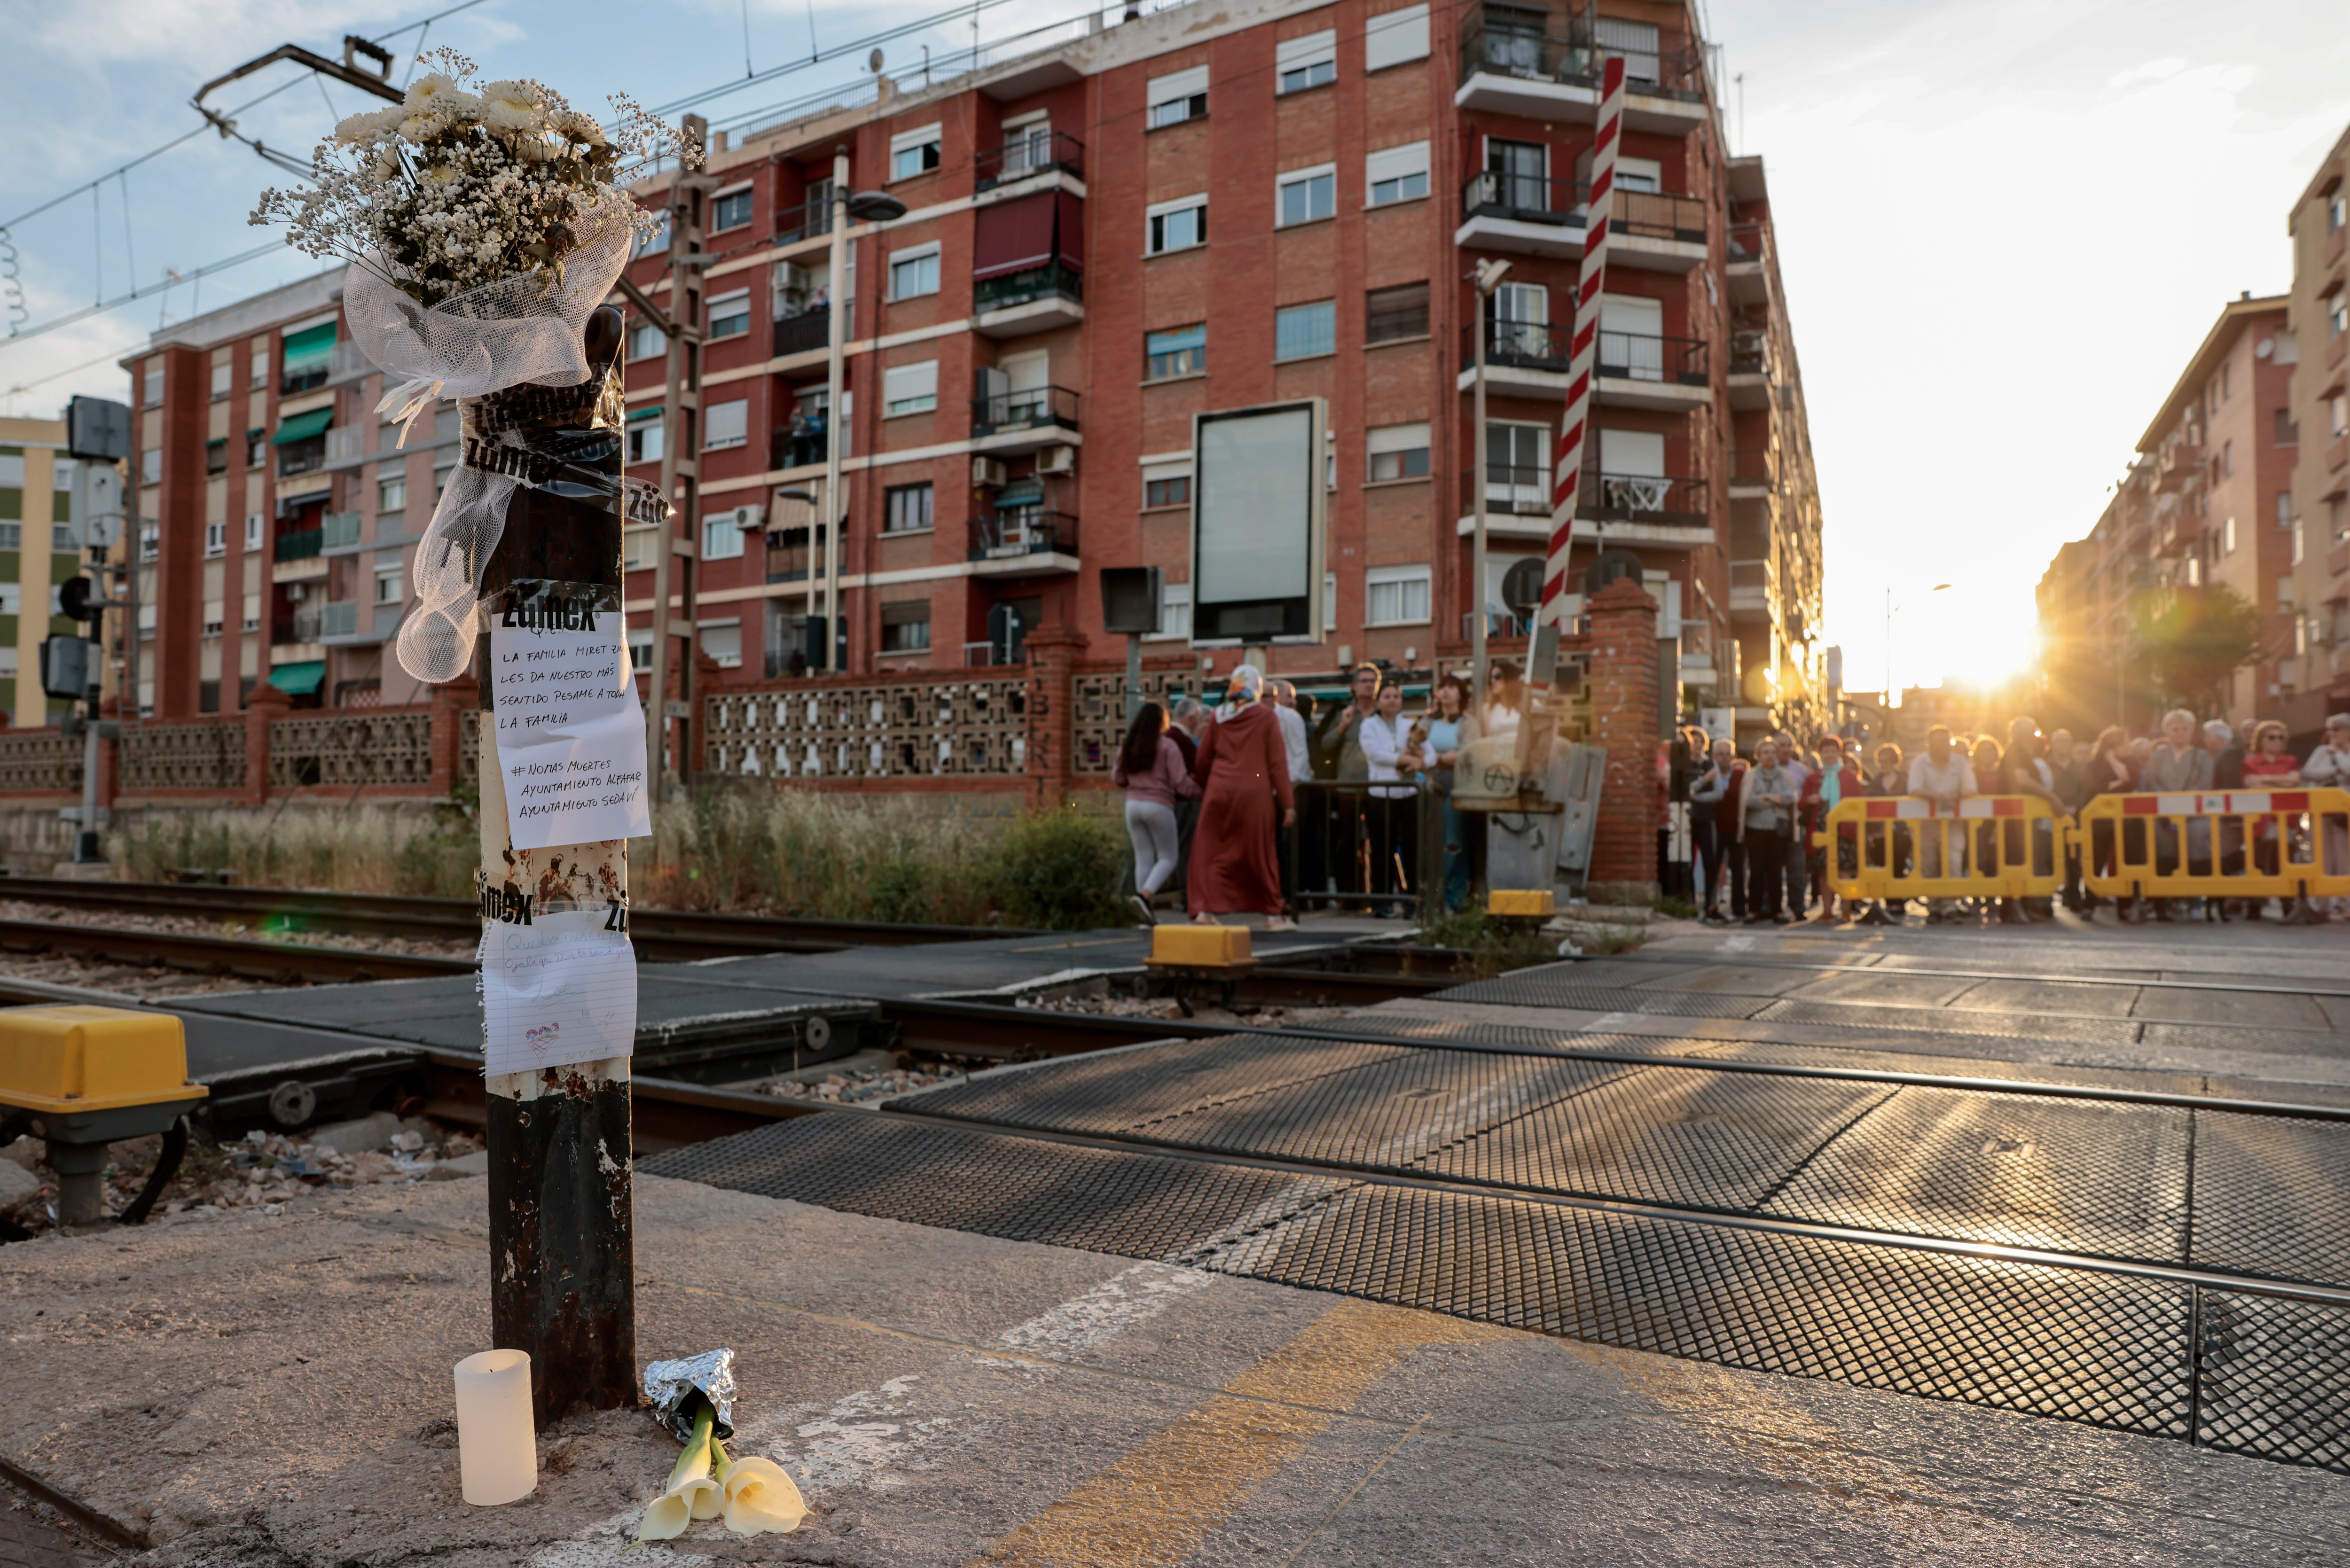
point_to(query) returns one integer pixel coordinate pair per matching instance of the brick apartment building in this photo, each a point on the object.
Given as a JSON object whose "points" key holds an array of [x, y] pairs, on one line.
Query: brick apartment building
{"points": [[2319, 664], [1027, 345], [2208, 498]]}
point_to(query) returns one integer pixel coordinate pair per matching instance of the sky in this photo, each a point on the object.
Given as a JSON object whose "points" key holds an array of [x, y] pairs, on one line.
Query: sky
{"points": [[2003, 226]]}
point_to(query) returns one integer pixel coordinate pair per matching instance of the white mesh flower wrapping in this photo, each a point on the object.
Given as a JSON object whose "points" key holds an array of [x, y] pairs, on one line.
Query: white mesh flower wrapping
{"points": [[528, 329]]}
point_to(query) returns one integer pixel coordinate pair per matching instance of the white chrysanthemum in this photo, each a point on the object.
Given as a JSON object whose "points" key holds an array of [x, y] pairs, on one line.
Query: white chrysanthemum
{"points": [[512, 106], [573, 126], [367, 129], [431, 91]]}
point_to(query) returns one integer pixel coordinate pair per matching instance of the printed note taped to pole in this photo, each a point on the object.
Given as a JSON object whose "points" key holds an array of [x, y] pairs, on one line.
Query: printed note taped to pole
{"points": [[570, 730], [558, 992]]}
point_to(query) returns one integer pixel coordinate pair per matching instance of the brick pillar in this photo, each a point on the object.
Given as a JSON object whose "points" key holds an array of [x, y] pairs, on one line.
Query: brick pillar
{"points": [[450, 703], [1624, 720], [265, 704], [1053, 653]]}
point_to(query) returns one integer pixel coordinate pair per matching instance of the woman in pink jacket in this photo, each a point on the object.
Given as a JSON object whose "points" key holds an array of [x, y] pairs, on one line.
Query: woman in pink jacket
{"points": [[1150, 770]]}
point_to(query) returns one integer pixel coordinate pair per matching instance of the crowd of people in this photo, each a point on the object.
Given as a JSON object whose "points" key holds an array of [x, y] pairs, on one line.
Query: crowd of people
{"points": [[1736, 839], [1211, 794]]}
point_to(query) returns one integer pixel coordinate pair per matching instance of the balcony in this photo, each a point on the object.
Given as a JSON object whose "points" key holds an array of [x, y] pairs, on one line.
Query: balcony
{"points": [[1657, 232], [301, 457], [1523, 212], [988, 656], [1746, 268], [347, 364], [789, 558], [1043, 413], [2337, 454], [1631, 370], [1555, 75], [1752, 371], [1023, 156], [803, 446], [1753, 470], [1640, 508], [302, 626], [1024, 541], [339, 534], [809, 332], [1754, 590], [303, 377], [807, 221], [2179, 466], [1038, 299], [301, 546]]}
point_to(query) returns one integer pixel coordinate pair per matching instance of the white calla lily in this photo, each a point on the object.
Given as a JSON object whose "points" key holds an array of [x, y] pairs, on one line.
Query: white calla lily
{"points": [[760, 1497], [692, 1492]]}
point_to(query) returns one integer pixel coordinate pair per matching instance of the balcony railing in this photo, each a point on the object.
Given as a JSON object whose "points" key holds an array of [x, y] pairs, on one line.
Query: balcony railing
{"points": [[1625, 356], [1525, 197], [789, 558], [1675, 71], [301, 627], [301, 457], [983, 655], [1025, 531], [801, 448], [804, 222], [1753, 465], [300, 546], [347, 364], [804, 333], [1032, 407], [343, 443], [1669, 500], [304, 378], [338, 530], [1747, 243], [1749, 353], [1653, 215], [339, 619], [1053, 279], [1033, 154], [1498, 624]]}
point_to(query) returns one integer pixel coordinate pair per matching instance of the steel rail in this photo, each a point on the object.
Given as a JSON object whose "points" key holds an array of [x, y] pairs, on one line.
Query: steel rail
{"points": [[2291, 986], [224, 955]]}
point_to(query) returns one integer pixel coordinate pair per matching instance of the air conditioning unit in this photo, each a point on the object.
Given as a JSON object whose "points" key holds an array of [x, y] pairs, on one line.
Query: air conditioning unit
{"points": [[793, 278], [987, 472], [1058, 460], [748, 518]]}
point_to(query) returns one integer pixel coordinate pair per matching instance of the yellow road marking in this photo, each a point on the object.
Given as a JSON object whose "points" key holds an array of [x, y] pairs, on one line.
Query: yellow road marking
{"points": [[1159, 1501]]}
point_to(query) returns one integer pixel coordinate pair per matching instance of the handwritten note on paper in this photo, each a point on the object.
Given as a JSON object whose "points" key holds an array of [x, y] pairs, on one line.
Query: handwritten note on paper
{"points": [[570, 730], [559, 991]]}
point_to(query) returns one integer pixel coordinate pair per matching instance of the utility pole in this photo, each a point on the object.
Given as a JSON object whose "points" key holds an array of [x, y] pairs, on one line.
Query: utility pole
{"points": [[681, 474], [1488, 277], [831, 516]]}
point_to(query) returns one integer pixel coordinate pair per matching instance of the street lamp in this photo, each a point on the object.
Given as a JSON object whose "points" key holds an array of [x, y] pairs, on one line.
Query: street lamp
{"points": [[1889, 608], [1488, 277], [870, 206]]}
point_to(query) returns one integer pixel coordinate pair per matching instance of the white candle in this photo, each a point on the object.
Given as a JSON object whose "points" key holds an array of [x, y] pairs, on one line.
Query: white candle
{"points": [[497, 1445]]}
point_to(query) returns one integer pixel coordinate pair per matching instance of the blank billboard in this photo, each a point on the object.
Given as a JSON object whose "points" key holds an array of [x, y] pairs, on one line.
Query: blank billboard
{"points": [[1257, 508]]}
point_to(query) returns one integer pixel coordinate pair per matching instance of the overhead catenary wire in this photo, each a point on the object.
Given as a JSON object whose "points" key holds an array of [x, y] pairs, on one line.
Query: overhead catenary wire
{"points": [[119, 300]]}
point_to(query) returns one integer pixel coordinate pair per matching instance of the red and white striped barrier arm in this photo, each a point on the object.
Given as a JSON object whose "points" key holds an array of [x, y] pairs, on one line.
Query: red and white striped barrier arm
{"points": [[2231, 802], [1566, 484]]}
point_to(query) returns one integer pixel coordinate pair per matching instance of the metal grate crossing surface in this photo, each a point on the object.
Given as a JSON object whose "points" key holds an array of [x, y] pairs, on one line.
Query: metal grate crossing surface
{"points": [[2242, 1372]]}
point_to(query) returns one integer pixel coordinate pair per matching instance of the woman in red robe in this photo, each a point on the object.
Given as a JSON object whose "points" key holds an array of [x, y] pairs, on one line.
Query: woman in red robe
{"points": [[1242, 771]]}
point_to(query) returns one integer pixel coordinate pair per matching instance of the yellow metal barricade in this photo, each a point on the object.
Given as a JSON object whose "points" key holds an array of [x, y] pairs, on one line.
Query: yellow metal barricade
{"points": [[2218, 843], [1992, 847]]}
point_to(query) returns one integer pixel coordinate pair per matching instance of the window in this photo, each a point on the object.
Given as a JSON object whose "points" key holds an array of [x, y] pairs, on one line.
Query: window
{"points": [[1396, 174], [906, 508], [223, 374], [152, 397], [1394, 36], [1398, 452], [1177, 351], [2333, 213], [62, 470], [906, 627], [2287, 432], [724, 644], [913, 152], [1302, 331], [2294, 524], [258, 373], [721, 535], [386, 585], [12, 598], [1174, 612], [12, 536], [150, 546], [646, 340], [150, 466], [12, 467], [1177, 225], [645, 428], [1396, 595], [729, 209], [1639, 174], [914, 272], [1174, 99], [910, 389], [216, 613], [1311, 61], [2285, 508], [391, 494], [252, 621], [1308, 195], [726, 425], [730, 315], [215, 538], [1517, 466], [2227, 456], [215, 457], [253, 530], [656, 238], [1167, 486], [1635, 41], [254, 445], [2337, 314]]}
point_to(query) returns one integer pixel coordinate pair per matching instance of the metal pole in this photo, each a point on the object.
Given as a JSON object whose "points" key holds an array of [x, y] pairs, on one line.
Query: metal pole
{"points": [[560, 1194], [833, 514], [1133, 675], [86, 842], [683, 387]]}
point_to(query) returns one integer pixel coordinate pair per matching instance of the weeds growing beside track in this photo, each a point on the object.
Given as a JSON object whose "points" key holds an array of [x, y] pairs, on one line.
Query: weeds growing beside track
{"points": [[363, 849]]}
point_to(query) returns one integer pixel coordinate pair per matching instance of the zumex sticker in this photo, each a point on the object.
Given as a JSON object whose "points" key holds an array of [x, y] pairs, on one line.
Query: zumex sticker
{"points": [[570, 730]]}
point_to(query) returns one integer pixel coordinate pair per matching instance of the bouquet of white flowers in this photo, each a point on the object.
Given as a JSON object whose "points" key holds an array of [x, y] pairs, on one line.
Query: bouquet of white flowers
{"points": [[484, 223]]}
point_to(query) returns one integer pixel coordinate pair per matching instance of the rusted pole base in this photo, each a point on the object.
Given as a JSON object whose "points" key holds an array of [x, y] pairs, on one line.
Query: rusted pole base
{"points": [[561, 1233]]}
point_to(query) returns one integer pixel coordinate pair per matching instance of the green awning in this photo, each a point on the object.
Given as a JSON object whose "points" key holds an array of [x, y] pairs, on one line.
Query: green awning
{"points": [[313, 346], [1020, 493], [299, 679], [303, 427]]}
